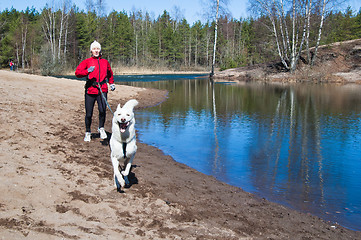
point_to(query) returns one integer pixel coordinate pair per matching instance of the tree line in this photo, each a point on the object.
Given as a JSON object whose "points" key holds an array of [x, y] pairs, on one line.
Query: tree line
{"points": [[57, 39]]}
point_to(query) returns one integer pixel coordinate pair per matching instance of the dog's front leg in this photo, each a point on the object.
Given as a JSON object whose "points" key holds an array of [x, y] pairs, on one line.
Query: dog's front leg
{"points": [[126, 171], [118, 179]]}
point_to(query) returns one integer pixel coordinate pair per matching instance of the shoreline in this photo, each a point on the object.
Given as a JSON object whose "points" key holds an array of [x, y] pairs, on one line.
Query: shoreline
{"points": [[121, 72], [146, 71], [57, 186], [153, 73]]}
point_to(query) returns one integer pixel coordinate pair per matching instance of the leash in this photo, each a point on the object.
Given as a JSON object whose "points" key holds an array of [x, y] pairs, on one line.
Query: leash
{"points": [[125, 149], [101, 92], [106, 102]]}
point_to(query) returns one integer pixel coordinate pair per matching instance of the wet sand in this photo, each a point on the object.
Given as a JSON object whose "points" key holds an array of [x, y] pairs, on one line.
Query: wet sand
{"points": [[56, 186]]}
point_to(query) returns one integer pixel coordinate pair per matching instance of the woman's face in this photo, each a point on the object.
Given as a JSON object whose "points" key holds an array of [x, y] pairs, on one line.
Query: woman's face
{"points": [[95, 52]]}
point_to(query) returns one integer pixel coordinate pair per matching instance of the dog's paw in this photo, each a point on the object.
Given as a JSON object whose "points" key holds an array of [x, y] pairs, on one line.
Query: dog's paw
{"points": [[122, 182], [119, 182], [127, 183]]}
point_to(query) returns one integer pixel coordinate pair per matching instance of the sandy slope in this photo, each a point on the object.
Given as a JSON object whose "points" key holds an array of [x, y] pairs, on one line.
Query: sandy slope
{"points": [[336, 63], [55, 186]]}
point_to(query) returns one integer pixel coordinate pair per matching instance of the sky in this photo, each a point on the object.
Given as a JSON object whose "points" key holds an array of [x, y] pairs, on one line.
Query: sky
{"points": [[192, 10]]}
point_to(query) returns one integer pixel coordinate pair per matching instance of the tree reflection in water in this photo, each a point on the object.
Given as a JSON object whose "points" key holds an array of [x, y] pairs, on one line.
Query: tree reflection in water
{"points": [[295, 144]]}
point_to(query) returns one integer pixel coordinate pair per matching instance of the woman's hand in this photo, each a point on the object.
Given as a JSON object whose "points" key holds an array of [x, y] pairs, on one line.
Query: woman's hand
{"points": [[90, 69], [112, 87]]}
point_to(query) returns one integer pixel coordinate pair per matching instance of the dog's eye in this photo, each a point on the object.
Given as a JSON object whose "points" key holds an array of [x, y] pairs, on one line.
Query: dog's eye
{"points": [[128, 115], [119, 114]]}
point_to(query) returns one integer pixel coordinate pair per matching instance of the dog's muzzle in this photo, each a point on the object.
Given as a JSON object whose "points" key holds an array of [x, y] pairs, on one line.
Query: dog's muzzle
{"points": [[123, 126]]}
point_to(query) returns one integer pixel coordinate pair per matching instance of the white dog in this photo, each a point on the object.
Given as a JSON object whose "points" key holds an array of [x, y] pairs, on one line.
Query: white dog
{"points": [[123, 142]]}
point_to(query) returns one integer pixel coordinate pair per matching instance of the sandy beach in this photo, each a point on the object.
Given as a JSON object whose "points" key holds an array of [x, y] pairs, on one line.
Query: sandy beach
{"points": [[56, 186]]}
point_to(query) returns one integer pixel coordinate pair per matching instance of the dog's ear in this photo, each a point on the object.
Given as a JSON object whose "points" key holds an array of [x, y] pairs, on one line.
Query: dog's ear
{"points": [[118, 108], [131, 104], [134, 102]]}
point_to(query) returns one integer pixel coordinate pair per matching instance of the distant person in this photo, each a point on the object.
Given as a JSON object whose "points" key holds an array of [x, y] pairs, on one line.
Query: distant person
{"points": [[97, 70], [11, 64]]}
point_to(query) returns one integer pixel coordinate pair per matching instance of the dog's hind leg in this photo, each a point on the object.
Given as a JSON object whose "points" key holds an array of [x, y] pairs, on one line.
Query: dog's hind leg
{"points": [[118, 179]]}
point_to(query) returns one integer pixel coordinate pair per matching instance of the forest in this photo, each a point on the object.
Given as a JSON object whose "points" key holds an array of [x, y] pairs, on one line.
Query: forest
{"points": [[55, 40]]}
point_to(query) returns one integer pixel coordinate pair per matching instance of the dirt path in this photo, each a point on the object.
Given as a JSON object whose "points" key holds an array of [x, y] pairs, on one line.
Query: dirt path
{"points": [[55, 186]]}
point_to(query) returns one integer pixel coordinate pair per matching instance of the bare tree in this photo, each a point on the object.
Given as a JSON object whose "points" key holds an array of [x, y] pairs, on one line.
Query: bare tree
{"points": [[101, 8], [215, 40], [214, 8], [63, 19], [21, 38], [23, 32], [55, 24], [319, 31], [96, 6], [296, 16], [177, 15], [287, 46], [89, 5]]}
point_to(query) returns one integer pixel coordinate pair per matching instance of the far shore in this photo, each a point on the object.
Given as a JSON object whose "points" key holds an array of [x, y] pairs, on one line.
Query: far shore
{"points": [[123, 71], [336, 63], [146, 71]]}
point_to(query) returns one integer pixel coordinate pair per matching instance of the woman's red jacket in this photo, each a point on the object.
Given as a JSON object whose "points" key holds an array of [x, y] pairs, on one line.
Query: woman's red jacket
{"points": [[101, 71]]}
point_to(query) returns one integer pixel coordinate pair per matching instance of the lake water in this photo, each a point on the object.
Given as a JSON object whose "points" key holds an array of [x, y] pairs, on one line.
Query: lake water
{"points": [[298, 145]]}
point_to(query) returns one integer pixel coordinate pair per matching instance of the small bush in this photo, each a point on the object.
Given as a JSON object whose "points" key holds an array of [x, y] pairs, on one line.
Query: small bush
{"points": [[50, 65]]}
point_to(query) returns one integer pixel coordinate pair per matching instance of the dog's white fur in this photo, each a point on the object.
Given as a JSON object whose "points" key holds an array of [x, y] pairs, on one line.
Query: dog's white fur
{"points": [[123, 131]]}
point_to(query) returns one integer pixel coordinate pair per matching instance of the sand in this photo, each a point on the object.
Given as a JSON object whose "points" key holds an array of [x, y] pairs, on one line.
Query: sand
{"points": [[56, 186]]}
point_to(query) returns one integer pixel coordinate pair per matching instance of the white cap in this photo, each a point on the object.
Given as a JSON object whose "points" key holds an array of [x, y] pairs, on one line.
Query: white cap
{"points": [[95, 44]]}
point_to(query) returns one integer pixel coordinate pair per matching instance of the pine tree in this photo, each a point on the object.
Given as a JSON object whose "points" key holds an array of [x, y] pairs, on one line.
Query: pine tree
{"points": [[85, 28], [357, 28]]}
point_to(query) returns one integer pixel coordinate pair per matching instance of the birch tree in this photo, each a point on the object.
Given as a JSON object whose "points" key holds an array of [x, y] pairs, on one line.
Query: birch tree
{"points": [[213, 10], [290, 24], [24, 33], [215, 40], [20, 39], [285, 41], [55, 23], [23, 27], [324, 3]]}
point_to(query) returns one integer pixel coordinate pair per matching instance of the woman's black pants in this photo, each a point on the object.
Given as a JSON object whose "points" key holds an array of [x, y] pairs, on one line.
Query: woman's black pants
{"points": [[89, 106]]}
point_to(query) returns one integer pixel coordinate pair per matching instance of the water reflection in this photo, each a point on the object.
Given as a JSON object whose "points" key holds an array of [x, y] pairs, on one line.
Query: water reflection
{"points": [[298, 145]]}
